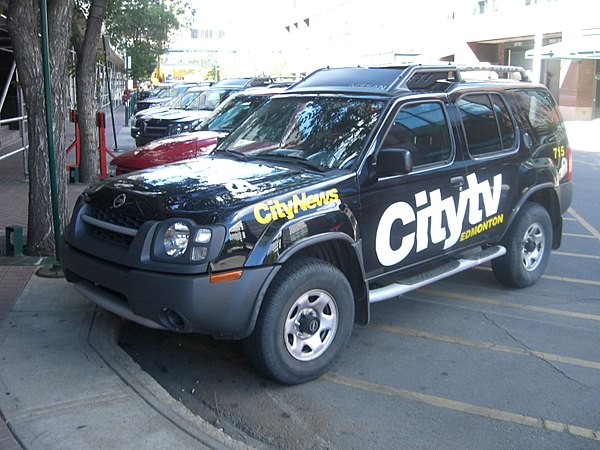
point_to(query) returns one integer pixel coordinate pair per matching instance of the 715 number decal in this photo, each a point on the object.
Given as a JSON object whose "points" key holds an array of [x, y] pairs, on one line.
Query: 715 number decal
{"points": [[559, 152]]}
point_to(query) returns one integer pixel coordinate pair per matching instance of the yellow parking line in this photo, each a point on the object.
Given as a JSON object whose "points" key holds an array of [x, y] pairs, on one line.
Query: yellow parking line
{"points": [[576, 255], [571, 280], [488, 301], [586, 224], [554, 277], [586, 236], [488, 346], [441, 402], [569, 219]]}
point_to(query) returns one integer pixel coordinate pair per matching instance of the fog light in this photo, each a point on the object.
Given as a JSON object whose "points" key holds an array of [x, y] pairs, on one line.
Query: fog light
{"points": [[199, 253]]}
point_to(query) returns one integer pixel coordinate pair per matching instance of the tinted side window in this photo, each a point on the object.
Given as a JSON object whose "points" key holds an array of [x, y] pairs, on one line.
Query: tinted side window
{"points": [[539, 109], [487, 123], [422, 129], [505, 123]]}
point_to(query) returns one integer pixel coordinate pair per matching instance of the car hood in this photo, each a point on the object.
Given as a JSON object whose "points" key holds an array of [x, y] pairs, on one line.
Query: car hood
{"points": [[179, 115], [167, 150], [150, 111], [154, 101], [208, 189]]}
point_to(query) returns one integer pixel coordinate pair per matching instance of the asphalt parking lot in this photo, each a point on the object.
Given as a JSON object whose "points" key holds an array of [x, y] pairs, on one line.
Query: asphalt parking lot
{"points": [[464, 363]]}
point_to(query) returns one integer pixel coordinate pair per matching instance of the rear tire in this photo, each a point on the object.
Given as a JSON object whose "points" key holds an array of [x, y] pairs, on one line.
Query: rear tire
{"points": [[528, 245], [304, 323]]}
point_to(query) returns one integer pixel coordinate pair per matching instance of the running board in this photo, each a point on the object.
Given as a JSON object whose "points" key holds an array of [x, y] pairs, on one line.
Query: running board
{"points": [[423, 279]]}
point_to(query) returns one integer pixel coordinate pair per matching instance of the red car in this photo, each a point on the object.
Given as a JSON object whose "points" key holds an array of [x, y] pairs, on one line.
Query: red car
{"points": [[220, 123]]}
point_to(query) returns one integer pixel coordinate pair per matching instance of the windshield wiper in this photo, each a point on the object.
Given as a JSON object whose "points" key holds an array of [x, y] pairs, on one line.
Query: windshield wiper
{"points": [[292, 158], [237, 155]]}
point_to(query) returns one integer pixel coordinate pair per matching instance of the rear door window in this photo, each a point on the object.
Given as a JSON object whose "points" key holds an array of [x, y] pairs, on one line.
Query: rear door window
{"points": [[487, 123]]}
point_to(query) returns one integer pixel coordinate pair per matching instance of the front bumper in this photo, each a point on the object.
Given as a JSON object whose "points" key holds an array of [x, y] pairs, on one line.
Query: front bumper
{"points": [[183, 303]]}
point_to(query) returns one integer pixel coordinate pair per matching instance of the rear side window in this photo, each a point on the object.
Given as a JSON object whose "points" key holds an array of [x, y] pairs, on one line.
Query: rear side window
{"points": [[422, 129], [540, 110], [488, 125]]}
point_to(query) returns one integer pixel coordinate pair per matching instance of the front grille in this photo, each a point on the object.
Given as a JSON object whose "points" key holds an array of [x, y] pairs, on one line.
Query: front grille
{"points": [[112, 236], [156, 128], [112, 217]]}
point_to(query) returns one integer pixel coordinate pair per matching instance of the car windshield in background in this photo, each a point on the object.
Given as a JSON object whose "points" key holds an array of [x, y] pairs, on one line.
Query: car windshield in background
{"points": [[232, 112], [325, 132], [184, 100], [211, 98], [169, 92]]}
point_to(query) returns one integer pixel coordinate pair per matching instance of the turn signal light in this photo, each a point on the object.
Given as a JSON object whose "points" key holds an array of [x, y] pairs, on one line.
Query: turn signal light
{"points": [[226, 276]]}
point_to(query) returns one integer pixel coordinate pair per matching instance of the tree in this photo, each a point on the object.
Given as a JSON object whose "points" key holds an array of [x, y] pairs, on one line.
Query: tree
{"points": [[87, 26], [142, 23], [23, 24], [141, 28]]}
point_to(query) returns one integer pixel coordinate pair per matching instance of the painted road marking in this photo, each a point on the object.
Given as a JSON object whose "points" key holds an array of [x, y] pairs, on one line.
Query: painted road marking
{"points": [[481, 411], [554, 277], [488, 346], [571, 280], [575, 255], [586, 236], [488, 301], [586, 224]]}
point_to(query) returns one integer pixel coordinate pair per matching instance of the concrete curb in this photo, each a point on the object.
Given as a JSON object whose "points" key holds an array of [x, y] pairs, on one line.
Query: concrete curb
{"points": [[103, 338], [66, 384]]}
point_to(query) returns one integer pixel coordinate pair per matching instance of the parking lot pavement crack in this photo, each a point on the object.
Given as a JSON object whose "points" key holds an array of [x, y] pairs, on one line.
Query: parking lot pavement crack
{"points": [[532, 352]]}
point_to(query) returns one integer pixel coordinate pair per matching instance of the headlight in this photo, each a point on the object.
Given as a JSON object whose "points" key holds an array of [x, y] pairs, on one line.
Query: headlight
{"points": [[189, 126], [176, 239], [183, 242], [177, 128]]}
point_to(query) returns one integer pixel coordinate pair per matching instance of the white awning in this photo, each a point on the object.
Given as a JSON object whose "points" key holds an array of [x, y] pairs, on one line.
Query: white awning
{"points": [[585, 47]]}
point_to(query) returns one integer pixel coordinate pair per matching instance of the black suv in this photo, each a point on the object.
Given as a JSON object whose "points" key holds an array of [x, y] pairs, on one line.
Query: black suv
{"points": [[355, 186]]}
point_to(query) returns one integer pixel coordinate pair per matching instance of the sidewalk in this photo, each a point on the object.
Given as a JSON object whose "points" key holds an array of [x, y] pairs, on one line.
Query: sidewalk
{"points": [[65, 383]]}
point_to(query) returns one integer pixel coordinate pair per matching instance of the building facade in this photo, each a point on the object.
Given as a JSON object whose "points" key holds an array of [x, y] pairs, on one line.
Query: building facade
{"points": [[558, 41]]}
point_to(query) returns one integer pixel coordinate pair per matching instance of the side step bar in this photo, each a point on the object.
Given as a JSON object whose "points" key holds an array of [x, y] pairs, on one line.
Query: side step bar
{"points": [[423, 279]]}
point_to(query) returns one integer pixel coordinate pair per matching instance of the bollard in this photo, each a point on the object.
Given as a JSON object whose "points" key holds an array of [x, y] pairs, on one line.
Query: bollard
{"points": [[73, 174], [14, 240]]}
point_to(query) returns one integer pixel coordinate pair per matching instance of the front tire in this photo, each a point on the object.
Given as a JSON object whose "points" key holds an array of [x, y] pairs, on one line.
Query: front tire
{"points": [[304, 323], [528, 245]]}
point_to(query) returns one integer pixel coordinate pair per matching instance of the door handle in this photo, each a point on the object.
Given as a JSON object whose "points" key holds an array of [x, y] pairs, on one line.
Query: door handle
{"points": [[457, 181]]}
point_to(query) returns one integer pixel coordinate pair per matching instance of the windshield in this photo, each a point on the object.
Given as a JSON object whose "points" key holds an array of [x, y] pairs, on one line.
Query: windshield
{"points": [[169, 92], [328, 132], [211, 98], [184, 100], [232, 112]]}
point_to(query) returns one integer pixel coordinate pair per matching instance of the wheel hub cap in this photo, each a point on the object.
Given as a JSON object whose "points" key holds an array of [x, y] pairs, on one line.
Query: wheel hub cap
{"points": [[533, 247], [310, 325]]}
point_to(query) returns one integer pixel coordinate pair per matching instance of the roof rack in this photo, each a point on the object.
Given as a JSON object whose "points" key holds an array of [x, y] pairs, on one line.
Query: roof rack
{"points": [[499, 69], [394, 79], [424, 77]]}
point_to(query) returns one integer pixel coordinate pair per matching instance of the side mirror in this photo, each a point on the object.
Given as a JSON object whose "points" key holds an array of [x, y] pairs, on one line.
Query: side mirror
{"points": [[394, 161]]}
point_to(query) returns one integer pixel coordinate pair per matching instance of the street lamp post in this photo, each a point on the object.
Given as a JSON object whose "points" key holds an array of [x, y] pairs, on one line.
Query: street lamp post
{"points": [[50, 135]]}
